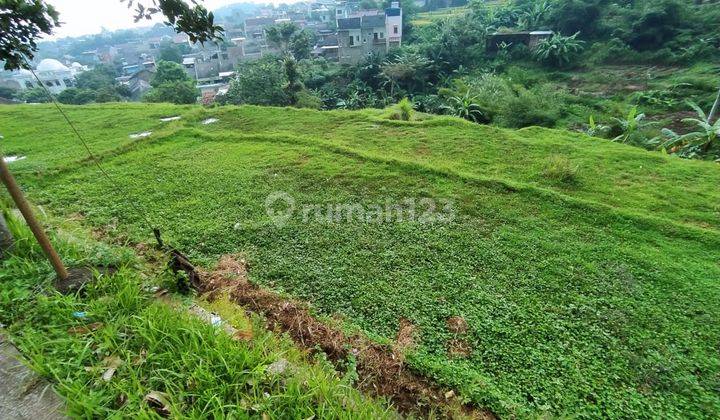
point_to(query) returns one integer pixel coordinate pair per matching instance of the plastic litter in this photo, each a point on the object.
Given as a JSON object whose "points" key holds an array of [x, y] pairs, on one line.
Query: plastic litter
{"points": [[141, 135], [11, 159]]}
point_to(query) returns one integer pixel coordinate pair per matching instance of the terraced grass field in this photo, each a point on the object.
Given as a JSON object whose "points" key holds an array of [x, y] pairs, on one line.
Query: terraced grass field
{"points": [[594, 296]]}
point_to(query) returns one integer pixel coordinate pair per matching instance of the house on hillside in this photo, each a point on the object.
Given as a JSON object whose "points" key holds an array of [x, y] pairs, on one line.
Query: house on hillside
{"points": [[138, 83], [369, 32], [528, 38]]}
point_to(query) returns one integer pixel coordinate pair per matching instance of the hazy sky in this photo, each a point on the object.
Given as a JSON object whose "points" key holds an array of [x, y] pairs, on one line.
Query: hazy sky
{"points": [[82, 17]]}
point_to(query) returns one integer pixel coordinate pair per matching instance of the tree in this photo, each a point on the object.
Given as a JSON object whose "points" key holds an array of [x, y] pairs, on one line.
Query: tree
{"points": [[101, 76], [22, 22], [290, 39], [171, 84], [368, 5], [170, 52], [36, 95], [169, 73], [281, 34], [173, 92], [258, 82], [293, 85], [301, 44], [571, 16], [76, 96], [8, 93]]}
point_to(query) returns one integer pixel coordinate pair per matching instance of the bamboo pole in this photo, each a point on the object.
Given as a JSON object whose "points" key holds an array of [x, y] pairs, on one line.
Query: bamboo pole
{"points": [[26, 211]]}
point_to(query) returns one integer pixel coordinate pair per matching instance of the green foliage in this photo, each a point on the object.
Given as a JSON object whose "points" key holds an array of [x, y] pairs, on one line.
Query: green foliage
{"points": [[8, 92], [402, 111], [170, 52], [573, 16], [631, 127], [259, 82], [292, 75], [697, 143], [173, 92], [167, 73], [36, 95], [22, 22], [192, 19], [559, 50], [76, 96], [103, 75], [466, 107], [290, 39]]}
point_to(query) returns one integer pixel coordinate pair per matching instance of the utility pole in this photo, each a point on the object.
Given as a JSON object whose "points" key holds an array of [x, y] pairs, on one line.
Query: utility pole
{"points": [[37, 230]]}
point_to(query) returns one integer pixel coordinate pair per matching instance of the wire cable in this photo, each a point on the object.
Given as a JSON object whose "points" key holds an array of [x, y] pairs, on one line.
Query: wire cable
{"points": [[143, 214]]}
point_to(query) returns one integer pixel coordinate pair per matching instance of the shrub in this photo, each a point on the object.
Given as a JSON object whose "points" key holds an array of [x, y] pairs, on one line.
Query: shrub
{"points": [[536, 107], [406, 109], [559, 50], [306, 99], [560, 169], [177, 93]]}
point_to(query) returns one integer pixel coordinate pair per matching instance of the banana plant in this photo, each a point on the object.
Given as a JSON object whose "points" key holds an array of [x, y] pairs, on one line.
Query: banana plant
{"points": [[630, 125], [695, 143], [464, 107]]}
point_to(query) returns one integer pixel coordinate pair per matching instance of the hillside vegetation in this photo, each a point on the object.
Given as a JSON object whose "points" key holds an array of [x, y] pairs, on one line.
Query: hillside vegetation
{"points": [[583, 272]]}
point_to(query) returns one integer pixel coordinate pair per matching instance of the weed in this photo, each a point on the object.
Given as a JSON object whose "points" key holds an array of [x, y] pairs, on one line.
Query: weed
{"points": [[560, 169]]}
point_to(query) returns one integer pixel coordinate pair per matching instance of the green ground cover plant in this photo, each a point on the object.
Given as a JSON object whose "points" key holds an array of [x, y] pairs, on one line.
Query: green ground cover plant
{"points": [[594, 300], [165, 361]]}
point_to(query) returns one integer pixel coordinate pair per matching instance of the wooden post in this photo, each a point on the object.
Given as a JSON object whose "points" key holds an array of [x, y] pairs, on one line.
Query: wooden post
{"points": [[34, 225], [6, 238]]}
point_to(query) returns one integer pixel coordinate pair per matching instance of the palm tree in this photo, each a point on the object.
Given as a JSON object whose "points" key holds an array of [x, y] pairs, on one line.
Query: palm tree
{"points": [[465, 107]]}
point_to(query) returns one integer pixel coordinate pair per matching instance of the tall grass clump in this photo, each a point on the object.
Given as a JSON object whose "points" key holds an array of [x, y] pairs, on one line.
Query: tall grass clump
{"points": [[559, 169]]}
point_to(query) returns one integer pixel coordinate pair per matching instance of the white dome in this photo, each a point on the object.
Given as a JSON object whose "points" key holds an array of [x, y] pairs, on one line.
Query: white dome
{"points": [[50, 64], [76, 65]]}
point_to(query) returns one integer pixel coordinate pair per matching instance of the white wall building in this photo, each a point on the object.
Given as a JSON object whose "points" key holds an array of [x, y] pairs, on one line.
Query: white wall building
{"points": [[52, 73]]}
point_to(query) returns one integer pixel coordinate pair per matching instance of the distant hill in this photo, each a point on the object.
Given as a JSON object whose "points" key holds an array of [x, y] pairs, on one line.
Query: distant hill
{"points": [[236, 10]]}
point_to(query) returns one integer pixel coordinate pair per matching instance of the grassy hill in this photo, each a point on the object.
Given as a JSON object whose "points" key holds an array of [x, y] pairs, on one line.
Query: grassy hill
{"points": [[585, 270]]}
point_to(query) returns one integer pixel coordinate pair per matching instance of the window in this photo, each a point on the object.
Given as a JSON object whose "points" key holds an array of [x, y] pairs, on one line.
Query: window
{"points": [[67, 82], [225, 56], [57, 83], [395, 29], [352, 40], [376, 36], [49, 83], [29, 85]]}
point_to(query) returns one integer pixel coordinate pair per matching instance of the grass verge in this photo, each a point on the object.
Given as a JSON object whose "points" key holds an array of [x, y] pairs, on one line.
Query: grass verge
{"points": [[119, 352]]}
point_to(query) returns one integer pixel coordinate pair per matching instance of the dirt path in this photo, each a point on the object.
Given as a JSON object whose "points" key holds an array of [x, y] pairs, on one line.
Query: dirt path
{"points": [[381, 368]]}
